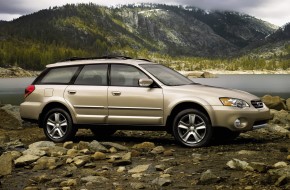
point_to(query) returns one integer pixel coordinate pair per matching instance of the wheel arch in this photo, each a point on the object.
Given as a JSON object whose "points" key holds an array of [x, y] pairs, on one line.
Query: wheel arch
{"points": [[50, 106], [182, 106]]}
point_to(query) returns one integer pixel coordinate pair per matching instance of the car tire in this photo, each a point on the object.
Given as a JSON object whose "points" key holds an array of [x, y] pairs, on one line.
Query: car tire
{"points": [[192, 128], [58, 125], [102, 132]]}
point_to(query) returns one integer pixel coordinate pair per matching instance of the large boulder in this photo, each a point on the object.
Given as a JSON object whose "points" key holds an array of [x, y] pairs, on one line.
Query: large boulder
{"points": [[5, 164], [208, 75], [288, 104], [274, 102], [10, 117], [280, 117]]}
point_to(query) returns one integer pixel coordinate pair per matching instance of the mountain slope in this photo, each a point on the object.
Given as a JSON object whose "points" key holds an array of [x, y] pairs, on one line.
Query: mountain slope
{"points": [[88, 29]]}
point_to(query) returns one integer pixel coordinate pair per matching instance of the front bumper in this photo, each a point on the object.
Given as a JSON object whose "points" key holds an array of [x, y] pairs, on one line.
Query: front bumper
{"points": [[249, 118]]}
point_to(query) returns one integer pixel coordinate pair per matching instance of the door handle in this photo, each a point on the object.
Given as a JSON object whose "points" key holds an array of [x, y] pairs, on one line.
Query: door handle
{"points": [[72, 91], [116, 93]]}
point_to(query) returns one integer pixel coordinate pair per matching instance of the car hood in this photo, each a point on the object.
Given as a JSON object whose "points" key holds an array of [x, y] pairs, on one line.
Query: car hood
{"points": [[212, 94]]}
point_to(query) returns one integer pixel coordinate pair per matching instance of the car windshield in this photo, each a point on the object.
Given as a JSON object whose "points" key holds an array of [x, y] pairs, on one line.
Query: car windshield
{"points": [[166, 75]]}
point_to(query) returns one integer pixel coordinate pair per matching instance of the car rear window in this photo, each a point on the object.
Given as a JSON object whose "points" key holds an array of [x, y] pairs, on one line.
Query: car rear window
{"points": [[59, 75]]}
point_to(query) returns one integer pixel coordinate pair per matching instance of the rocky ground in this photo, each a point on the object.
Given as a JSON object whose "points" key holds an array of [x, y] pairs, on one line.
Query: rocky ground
{"points": [[144, 160]]}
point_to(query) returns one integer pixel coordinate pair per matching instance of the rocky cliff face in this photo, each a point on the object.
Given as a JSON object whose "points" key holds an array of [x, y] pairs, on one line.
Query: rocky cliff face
{"points": [[164, 29]]}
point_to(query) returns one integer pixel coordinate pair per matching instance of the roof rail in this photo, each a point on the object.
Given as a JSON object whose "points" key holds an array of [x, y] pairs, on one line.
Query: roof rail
{"points": [[102, 57]]}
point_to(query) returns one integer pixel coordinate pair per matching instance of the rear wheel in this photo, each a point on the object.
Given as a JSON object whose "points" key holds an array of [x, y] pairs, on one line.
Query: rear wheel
{"points": [[58, 126], [192, 128]]}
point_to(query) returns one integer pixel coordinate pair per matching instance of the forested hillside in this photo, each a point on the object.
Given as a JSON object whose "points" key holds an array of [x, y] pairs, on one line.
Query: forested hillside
{"points": [[159, 32]]}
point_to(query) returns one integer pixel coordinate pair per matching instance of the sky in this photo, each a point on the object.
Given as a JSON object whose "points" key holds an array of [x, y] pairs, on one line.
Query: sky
{"points": [[274, 11]]}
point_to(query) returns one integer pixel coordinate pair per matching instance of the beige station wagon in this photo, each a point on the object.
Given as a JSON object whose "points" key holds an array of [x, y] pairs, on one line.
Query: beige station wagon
{"points": [[112, 93]]}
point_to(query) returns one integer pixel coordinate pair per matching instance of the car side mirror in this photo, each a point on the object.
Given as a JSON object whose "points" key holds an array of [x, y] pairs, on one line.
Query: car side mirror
{"points": [[145, 82]]}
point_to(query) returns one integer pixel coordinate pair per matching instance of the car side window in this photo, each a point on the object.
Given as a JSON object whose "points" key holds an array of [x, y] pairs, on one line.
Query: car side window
{"points": [[59, 75], [93, 75], [126, 75]]}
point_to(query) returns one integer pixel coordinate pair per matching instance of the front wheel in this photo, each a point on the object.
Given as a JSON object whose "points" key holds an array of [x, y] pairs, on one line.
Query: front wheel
{"points": [[192, 128], [58, 126]]}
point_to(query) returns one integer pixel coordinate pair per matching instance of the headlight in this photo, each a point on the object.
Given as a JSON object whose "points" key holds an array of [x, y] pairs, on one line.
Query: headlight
{"points": [[234, 102]]}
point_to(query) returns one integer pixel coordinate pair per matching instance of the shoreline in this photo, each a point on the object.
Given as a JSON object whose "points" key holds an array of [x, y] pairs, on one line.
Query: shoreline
{"points": [[238, 72], [17, 72]]}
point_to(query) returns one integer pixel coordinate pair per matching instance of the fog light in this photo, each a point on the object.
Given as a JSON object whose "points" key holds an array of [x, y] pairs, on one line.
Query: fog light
{"points": [[238, 123]]}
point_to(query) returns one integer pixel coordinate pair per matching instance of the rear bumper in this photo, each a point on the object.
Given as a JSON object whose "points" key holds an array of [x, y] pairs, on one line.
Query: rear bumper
{"points": [[250, 118]]}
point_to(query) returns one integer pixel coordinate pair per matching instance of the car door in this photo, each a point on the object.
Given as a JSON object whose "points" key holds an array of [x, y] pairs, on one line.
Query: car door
{"points": [[88, 95], [128, 103]]}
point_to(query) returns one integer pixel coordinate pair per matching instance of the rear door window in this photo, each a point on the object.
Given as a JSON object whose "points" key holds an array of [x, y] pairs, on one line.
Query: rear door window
{"points": [[93, 75], [59, 75]]}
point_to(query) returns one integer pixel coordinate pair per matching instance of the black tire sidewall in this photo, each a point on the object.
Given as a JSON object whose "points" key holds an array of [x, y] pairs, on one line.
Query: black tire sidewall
{"points": [[71, 131], [205, 141]]}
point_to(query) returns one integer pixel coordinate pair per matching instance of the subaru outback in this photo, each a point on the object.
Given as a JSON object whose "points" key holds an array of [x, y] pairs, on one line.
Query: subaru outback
{"points": [[112, 93]]}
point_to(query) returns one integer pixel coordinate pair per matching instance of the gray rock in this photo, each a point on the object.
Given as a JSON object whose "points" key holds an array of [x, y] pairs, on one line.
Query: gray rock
{"points": [[56, 151], [95, 146], [127, 156], [278, 130], [99, 156], [80, 161], [169, 170], [124, 161], [280, 165], [5, 164], [145, 146], [207, 75], [94, 179], [25, 160], [10, 117], [208, 177], [259, 167], [139, 168], [239, 165], [69, 183], [41, 144], [274, 102], [15, 154], [137, 185], [121, 169], [279, 172], [280, 117], [83, 145], [72, 152], [158, 150], [160, 167], [68, 145], [34, 151], [42, 178], [47, 163], [248, 152], [115, 145], [288, 104], [160, 181], [15, 144]]}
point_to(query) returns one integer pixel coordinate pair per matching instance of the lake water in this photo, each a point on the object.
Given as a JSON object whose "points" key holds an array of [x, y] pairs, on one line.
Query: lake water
{"points": [[12, 89]]}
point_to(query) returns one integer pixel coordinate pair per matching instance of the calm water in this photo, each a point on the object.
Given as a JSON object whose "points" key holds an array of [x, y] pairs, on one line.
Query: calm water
{"points": [[12, 90]]}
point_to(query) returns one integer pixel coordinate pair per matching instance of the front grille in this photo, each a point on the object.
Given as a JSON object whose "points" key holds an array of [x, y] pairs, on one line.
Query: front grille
{"points": [[257, 103]]}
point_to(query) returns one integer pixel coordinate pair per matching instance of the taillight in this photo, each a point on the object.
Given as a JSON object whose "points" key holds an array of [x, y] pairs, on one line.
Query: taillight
{"points": [[29, 90]]}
